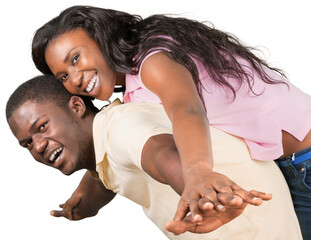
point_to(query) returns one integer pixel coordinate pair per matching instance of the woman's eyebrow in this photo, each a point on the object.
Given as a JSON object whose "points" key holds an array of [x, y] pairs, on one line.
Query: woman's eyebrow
{"points": [[65, 60], [68, 54]]}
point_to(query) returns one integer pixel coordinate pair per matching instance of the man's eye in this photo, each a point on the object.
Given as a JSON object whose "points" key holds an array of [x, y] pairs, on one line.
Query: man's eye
{"points": [[75, 59], [42, 127], [28, 143]]}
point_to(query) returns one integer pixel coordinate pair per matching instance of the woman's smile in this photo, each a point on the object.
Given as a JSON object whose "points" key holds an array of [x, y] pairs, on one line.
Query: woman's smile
{"points": [[76, 60], [92, 83]]}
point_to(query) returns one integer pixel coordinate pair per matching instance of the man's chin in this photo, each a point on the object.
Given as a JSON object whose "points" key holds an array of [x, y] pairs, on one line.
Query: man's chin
{"points": [[68, 170]]}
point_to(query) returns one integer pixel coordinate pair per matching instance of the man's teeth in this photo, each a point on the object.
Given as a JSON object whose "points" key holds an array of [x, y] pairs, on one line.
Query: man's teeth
{"points": [[55, 154], [91, 84]]}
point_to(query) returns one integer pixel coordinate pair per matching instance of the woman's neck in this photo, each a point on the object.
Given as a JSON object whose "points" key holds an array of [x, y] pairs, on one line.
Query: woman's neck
{"points": [[120, 79]]}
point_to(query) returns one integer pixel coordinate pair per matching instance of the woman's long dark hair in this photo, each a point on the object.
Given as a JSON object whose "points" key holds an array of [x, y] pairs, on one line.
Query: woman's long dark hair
{"points": [[123, 37]]}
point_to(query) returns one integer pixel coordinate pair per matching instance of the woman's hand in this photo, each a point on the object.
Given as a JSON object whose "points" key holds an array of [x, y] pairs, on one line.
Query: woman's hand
{"points": [[203, 183], [211, 219]]}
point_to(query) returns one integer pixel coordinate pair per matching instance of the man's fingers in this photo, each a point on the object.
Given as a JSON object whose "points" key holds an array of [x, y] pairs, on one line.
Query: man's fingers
{"points": [[74, 200], [56, 213], [62, 213], [179, 227]]}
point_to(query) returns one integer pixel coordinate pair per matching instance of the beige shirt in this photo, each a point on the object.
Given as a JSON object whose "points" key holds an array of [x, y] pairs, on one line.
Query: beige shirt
{"points": [[120, 132]]}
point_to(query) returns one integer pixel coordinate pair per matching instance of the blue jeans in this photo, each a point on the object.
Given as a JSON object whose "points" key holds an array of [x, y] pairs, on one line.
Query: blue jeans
{"points": [[298, 178]]}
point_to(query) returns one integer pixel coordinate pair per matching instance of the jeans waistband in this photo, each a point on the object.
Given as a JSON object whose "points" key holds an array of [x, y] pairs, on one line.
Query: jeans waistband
{"points": [[295, 158]]}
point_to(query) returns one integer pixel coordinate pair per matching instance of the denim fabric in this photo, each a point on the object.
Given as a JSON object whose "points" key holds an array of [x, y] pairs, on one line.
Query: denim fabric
{"points": [[298, 178]]}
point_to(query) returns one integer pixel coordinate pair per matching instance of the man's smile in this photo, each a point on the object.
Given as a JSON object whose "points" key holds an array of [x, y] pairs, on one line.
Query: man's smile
{"points": [[55, 156]]}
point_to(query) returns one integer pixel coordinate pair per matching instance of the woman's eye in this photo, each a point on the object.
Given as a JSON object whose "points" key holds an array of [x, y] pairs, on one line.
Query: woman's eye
{"points": [[63, 78], [75, 59]]}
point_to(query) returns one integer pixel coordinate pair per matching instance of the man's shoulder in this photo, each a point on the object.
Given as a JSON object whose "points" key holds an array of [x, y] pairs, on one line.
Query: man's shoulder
{"points": [[130, 112]]}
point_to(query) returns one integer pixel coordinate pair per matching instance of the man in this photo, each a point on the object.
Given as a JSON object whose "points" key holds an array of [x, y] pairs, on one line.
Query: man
{"points": [[135, 156]]}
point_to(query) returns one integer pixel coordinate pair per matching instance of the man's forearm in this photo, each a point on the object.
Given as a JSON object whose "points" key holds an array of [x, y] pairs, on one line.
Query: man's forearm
{"points": [[160, 159], [95, 196]]}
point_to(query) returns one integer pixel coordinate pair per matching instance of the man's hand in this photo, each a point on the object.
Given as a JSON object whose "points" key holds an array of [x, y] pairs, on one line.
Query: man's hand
{"points": [[72, 209], [208, 185], [212, 218], [89, 197]]}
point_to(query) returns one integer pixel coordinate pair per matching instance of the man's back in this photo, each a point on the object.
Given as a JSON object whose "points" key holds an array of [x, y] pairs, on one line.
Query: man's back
{"points": [[120, 133]]}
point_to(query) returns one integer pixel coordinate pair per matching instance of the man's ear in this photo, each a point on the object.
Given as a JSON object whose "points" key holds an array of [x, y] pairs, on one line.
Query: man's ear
{"points": [[76, 104]]}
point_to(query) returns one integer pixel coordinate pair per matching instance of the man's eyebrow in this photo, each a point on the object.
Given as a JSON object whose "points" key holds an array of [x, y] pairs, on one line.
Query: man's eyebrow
{"points": [[21, 142], [30, 129]]}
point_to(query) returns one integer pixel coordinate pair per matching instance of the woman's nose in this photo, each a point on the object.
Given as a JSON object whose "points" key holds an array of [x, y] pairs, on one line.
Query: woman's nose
{"points": [[76, 78]]}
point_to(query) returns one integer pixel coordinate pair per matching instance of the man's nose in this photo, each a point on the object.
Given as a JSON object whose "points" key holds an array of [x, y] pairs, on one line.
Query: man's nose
{"points": [[40, 143]]}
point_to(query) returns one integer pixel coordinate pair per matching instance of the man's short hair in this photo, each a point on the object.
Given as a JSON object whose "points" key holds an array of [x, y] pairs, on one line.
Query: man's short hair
{"points": [[42, 89]]}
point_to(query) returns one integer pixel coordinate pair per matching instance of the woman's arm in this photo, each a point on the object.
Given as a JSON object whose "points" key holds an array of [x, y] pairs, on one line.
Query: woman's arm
{"points": [[161, 161], [174, 85]]}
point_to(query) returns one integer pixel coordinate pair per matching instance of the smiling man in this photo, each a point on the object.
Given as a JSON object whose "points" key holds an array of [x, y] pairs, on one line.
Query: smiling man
{"points": [[135, 156], [61, 155]]}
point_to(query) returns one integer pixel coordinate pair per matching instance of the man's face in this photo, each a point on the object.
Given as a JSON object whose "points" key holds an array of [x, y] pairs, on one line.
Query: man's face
{"points": [[54, 135]]}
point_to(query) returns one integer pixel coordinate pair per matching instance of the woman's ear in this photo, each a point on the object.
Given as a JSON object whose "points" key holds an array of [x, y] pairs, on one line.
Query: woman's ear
{"points": [[76, 104]]}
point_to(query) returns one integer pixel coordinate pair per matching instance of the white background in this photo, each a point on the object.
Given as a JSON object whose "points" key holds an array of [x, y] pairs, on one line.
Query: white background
{"points": [[30, 190]]}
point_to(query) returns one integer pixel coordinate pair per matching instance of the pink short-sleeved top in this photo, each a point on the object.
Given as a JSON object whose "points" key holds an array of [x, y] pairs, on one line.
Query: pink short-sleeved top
{"points": [[258, 119]]}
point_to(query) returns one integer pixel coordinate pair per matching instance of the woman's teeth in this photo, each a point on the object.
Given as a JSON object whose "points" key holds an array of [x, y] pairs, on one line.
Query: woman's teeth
{"points": [[54, 156], [90, 86]]}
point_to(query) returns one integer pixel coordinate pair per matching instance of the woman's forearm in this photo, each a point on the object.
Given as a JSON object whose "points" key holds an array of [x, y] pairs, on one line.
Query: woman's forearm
{"points": [[192, 136]]}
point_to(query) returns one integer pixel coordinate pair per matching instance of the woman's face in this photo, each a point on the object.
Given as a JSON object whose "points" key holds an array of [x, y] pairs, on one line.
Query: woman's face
{"points": [[76, 60]]}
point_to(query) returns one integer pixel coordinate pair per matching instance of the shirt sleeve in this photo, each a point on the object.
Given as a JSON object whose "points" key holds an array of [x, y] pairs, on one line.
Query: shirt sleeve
{"points": [[130, 126]]}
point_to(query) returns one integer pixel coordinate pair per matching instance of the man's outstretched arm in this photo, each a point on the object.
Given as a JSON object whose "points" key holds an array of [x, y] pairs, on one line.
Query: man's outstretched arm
{"points": [[89, 197]]}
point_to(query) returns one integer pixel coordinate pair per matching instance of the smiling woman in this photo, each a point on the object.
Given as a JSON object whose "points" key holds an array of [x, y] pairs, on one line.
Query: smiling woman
{"points": [[77, 61]]}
